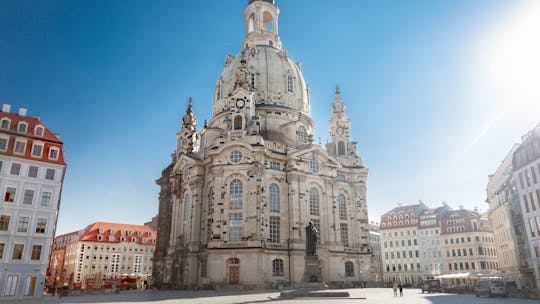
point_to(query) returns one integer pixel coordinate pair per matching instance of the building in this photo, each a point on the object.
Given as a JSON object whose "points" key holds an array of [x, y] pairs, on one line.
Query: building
{"points": [[153, 223], [100, 252], [375, 245], [238, 194], [429, 235], [32, 170], [526, 170], [468, 242], [506, 218], [400, 247]]}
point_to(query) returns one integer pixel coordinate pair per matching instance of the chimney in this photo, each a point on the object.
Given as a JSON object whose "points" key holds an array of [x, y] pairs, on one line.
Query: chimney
{"points": [[22, 111], [6, 108]]}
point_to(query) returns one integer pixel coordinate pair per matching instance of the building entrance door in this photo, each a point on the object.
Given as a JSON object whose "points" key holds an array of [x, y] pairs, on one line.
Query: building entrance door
{"points": [[234, 275]]}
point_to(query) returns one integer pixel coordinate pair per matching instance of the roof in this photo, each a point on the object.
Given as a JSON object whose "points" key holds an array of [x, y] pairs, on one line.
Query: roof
{"points": [[48, 138], [113, 233]]}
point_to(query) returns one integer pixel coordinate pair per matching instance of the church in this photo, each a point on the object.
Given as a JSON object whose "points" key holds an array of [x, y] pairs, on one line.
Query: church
{"points": [[236, 198]]}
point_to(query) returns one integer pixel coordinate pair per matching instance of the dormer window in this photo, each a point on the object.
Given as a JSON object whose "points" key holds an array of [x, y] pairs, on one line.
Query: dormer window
{"points": [[139, 233], [53, 153], [99, 238], [38, 131], [149, 233], [122, 232], [113, 231], [133, 240], [101, 231], [111, 238], [5, 123], [37, 150], [22, 127]]}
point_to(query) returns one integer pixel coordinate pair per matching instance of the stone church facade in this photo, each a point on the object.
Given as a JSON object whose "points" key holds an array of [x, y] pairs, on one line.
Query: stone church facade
{"points": [[238, 193]]}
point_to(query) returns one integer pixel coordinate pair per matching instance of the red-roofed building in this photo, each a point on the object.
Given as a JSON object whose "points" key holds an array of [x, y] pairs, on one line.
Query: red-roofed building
{"points": [[102, 251], [32, 172]]}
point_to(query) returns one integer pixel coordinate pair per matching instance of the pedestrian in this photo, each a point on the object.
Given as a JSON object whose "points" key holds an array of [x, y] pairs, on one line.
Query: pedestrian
{"points": [[400, 289], [394, 286]]}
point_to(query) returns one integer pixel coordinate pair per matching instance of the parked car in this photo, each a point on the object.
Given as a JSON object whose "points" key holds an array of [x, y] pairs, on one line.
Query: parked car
{"points": [[490, 288], [430, 286]]}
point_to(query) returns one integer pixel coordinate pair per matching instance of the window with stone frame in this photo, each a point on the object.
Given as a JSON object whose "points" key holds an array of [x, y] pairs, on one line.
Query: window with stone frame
{"points": [[342, 205], [36, 252], [33, 171], [277, 267], [37, 150], [5, 123], [344, 233], [49, 174], [273, 197], [9, 195], [349, 269], [2, 247], [3, 144], [301, 134], [4, 222], [235, 226], [20, 146], [41, 225], [18, 250], [274, 229], [313, 201], [15, 169], [22, 127], [46, 199], [23, 224], [236, 194], [28, 196]]}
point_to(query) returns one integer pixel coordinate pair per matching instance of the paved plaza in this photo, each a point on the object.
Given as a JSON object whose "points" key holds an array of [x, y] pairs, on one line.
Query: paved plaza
{"points": [[365, 296]]}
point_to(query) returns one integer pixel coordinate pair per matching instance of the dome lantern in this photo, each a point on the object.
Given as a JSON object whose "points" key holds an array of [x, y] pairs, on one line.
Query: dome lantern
{"points": [[261, 24]]}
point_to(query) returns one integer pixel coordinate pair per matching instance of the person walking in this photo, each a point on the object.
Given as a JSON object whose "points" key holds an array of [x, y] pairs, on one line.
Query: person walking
{"points": [[395, 286], [400, 286]]}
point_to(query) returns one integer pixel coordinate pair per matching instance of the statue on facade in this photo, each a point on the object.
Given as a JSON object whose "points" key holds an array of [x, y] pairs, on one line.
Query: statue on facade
{"points": [[311, 239]]}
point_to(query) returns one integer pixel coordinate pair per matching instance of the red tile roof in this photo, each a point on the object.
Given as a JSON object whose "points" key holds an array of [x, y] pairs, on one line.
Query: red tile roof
{"points": [[50, 140], [138, 233]]}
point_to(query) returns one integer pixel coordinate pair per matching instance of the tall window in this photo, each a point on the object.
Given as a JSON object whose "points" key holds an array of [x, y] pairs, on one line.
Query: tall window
{"points": [[9, 196], [252, 82], [185, 218], [41, 225], [289, 84], [23, 224], [22, 127], [349, 269], [273, 196], [53, 153], [18, 250], [137, 263], [37, 150], [4, 222], [235, 226], [15, 169], [3, 144], [313, 201], [49, 174], [46, 199], [344, 232], [5, 124], [19, 147], [36, 252], [28, 196], [342, 207], [2, 246], [302, 135], [236, 194], [115, 261], [274, 229], [33, 171], [341, 148], [277, 267]]}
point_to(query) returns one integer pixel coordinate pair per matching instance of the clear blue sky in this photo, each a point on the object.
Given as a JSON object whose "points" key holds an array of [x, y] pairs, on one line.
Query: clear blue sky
{"points": [[438, 91]]}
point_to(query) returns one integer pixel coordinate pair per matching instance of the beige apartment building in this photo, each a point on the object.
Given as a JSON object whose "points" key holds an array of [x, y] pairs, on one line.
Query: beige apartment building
{"points": [[468, 242], [506, 219], [102, 251]]}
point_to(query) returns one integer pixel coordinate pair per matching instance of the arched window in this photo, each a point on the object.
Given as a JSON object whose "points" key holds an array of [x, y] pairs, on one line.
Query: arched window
{"points": [[185, 217], [5, 123], [302, 135], [237, 122], [313, 201], [274, 198], [341, 148], [251, 23], [349, 269], [236, 194], [268, 21], [22, 127], [342, 207], [277, 267]]}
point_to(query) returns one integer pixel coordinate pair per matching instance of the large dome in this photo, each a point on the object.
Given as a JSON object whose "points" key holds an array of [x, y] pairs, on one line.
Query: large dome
{"points": [[275, 79]]}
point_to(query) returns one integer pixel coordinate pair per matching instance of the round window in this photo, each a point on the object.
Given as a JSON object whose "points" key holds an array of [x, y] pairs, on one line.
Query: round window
{"points": [[314, 165], [236, 156]]}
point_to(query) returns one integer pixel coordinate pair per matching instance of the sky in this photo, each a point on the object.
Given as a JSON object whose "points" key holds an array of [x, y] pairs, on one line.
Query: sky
{"points": [[437, 91]]}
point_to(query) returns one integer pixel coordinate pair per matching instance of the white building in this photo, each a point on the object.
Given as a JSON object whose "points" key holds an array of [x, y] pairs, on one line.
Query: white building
{"points": [[238, 194], [526, 166], [31, 174], [400, 244], [429, 235], [375, 244], [506, 219]]}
